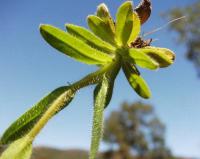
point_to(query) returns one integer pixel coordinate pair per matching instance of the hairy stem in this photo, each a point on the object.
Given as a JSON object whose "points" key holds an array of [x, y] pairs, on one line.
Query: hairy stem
{"points": [[59, 103], [97, 128], [102, 98]]}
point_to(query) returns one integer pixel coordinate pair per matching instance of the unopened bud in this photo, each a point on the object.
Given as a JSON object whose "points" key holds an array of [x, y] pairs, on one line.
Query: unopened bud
{"points": [[102, 10]]}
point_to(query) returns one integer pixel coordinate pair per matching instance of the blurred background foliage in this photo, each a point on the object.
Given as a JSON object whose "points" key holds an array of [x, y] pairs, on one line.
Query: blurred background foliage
{"points": [[188, 30], [135, 131]]}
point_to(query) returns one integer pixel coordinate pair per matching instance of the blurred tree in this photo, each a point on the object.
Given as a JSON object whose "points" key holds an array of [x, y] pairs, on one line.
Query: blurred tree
{"points": [[157, 131], [135, 130], [189, 30]]}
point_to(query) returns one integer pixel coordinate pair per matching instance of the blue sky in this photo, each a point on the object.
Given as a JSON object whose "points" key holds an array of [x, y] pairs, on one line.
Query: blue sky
{"points": [[29, 69]]}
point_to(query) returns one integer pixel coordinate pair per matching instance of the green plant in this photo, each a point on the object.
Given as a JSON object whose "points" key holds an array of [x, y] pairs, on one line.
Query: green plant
{"points": [[111, 46]]}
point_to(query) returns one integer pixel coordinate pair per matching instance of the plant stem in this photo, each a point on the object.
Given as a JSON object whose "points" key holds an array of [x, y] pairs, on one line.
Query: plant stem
{"points": [[59, 103], [56, 105], [97, 128], [101, 100]]}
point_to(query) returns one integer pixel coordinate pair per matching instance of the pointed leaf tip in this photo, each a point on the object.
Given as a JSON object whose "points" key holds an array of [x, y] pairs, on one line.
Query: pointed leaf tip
{"points": [[104, 14], [136, 56], [136, 81], [163, 56], [101, 29], [103, 7]]}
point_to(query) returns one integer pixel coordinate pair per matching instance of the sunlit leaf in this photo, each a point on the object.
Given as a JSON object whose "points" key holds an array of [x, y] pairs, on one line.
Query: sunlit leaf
{"points": [[89, 38], [104, 14], [124, 23], [164, 57], [136, 81], [24, 124], [137, 57], [100, 28], [72, 46], [20, 149], [135, 29]]}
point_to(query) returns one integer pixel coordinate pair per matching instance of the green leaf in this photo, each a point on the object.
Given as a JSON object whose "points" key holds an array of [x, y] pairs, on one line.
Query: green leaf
{"points": [[136, 81], [100, 28], [89, 38], [20, 149], [135, 29], [124, 23], [164, 57], [110, 87], [104, 14], [139, 58], [97, 129], [24, 124], [72, 46], [110, 75]]}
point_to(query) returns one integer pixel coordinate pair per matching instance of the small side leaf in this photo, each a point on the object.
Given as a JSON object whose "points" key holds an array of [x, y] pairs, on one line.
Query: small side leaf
{"points": [[20, 149], [100, 28], [89, 38], [139, 58], [136, 81], [24, 124], [124, 23], [104, 14], [135, 29], [164, 57], [72, 46]]}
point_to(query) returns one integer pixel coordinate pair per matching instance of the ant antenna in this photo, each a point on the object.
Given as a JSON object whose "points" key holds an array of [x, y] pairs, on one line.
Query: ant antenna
{"points": [[160, 28]]}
